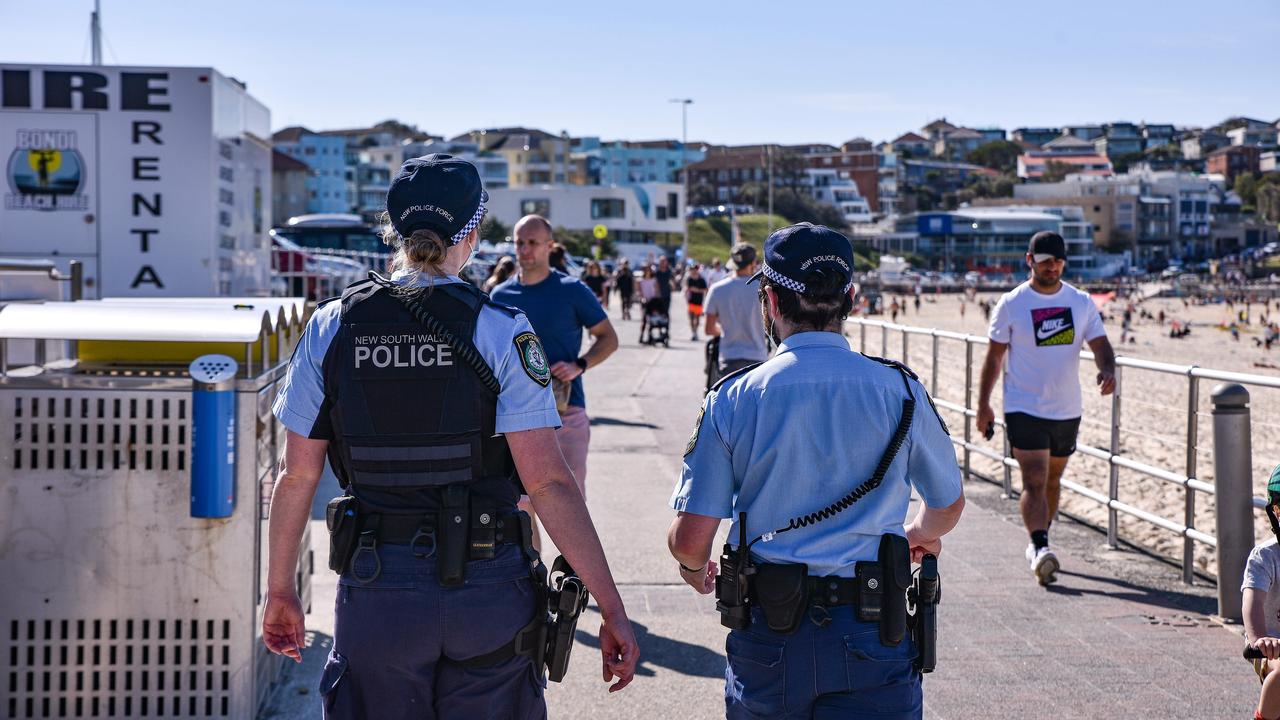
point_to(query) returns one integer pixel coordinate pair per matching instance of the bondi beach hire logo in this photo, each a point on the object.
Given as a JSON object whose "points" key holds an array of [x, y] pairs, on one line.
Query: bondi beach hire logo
{"points": [[45, 172]]}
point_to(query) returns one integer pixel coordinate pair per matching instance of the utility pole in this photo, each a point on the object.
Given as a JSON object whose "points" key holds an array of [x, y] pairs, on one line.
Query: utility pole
{"points": [[769, 159], [95, 34], [684, 163]]}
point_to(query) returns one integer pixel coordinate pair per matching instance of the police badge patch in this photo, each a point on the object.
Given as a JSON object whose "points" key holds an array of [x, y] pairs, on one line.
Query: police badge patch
{"points": [[697, 428], [533, 358]]}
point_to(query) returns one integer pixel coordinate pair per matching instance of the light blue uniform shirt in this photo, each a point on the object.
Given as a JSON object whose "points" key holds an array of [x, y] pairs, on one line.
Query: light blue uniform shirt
{"points": [[801, 431], [522, 405]]}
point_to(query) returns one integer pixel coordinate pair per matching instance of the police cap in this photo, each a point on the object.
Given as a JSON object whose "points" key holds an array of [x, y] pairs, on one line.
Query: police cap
{"points": [[437, 192], [793, 254]]}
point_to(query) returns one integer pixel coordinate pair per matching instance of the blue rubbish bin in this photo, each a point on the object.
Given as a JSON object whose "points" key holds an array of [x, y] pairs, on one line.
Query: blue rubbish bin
{"points": [[213, 436]]}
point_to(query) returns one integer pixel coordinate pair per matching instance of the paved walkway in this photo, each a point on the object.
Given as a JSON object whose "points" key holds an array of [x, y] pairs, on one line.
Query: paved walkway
{"points": [[1118, 636]]}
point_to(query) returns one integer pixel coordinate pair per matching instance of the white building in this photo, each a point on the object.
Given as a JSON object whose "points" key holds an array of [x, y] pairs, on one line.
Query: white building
{"points": [[639, 214], [835, 188]]}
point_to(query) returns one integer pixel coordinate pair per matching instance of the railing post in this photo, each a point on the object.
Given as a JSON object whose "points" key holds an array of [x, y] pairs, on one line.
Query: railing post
{"points": [[1189, 495], [1232, 468], [968, 401], [906, 359], [884, 340], [933, 383], [862, 332], [1113, 477]]}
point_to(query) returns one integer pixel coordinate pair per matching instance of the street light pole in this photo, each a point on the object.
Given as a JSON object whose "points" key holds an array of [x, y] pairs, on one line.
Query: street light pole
{"points": [[684, 163]]}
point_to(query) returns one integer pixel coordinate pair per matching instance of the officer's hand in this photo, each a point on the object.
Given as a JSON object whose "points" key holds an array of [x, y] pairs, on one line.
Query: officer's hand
{"points": [[986, 418], [1269, 646], [619, 650], [566, 371], [921, 545], [704, 581], [1106, 382], [283, 630]]}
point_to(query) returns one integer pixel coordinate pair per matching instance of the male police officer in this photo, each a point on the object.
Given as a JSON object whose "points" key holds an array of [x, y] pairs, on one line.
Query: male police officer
{"points": [[783, 440], [422, 393]]}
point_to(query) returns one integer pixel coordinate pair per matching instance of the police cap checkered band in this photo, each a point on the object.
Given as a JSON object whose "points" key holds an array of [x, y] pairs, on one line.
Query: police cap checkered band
{"points": [[1273, 485], [800, 250]]}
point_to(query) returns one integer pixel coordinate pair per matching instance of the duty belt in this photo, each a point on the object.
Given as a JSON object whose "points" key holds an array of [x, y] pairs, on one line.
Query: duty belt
{"points": [[829, 590], [416, 529]]}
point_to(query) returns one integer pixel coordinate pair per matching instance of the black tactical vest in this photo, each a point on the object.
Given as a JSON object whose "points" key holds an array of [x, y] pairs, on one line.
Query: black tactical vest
{"points": [[408, 416]]}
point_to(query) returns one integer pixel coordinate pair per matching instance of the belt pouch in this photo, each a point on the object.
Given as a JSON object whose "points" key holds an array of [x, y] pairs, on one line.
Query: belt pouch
{"points": [[783, 593], [343, 521], [870, 591], [451, 536], [895, 565]]}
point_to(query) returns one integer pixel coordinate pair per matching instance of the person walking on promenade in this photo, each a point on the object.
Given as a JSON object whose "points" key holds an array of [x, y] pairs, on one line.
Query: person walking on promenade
{"points": [[771, 444], [650, 299], [597, 281], [502, 270], [666, 283], [560, 307], [626, 284], [1040, 327], [409, 443], [695, 291], [733, 314], [1260, 606]]}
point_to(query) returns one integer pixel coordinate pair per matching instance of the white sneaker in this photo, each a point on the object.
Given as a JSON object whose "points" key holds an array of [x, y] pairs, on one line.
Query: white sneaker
{"points": [[1044, 564]]}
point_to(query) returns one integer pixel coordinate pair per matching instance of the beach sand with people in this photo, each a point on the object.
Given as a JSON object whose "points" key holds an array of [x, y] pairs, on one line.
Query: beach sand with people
{"points": [[1153, 404]]}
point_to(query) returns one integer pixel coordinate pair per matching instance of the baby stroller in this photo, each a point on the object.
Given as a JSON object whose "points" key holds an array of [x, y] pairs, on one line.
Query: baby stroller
{"points": [[657, 323]]}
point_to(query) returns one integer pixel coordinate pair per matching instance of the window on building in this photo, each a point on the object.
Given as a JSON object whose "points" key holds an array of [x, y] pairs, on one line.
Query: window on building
{"points": [[1185, 206], [602, 208], [309, 151], [1202, 207], [660, 212], [536, 206]]}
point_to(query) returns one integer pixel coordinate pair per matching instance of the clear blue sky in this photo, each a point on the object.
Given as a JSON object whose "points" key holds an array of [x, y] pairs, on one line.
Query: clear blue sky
{"points": [[786, 72]]}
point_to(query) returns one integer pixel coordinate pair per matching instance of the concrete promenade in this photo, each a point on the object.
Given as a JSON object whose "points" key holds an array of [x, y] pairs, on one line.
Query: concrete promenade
{"points": [[1118, 636]]}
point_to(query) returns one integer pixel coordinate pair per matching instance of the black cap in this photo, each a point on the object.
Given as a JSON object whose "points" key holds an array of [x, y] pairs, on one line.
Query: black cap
{"points": [[794, 253], [436, 192], [1047, 242]]}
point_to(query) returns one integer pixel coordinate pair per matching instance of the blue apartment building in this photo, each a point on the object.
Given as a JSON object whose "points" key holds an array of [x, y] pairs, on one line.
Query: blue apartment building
{"points": [[326, 156], [627, 163]]}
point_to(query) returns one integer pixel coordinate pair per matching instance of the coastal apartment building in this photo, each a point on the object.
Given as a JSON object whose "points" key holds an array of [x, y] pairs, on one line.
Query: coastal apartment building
{"points": [[726, 171], [622, 162], [325, 155], [639, 213], [994, 239], [534, 157]]}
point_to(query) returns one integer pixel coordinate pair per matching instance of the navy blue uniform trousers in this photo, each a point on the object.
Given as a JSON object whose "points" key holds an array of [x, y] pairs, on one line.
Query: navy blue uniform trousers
{"points": [[837, 671], [396, 639]]}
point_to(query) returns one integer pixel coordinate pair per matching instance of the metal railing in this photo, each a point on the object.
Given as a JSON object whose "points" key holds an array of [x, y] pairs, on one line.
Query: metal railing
{"points": [[1186, 477]]}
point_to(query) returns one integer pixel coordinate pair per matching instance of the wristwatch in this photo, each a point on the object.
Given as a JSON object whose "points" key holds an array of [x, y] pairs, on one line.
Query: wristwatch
{"points": [[581, 363]]}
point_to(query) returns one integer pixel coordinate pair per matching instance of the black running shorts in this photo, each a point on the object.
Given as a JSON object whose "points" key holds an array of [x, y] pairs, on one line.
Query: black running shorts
{"points": [[1028, 432]]}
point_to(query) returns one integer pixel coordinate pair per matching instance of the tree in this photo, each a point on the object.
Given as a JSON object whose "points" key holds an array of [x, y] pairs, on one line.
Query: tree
{"points": [[800, 207], [702, 194], [1268, 202], [494, 231], [1121, 163], [1055, 171], [985, 186], [1246, 186], [788, 168], [999, 155]]}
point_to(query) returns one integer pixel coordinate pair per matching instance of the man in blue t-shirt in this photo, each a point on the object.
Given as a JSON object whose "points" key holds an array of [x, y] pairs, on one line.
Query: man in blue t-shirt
{"points": [[559, 307]]}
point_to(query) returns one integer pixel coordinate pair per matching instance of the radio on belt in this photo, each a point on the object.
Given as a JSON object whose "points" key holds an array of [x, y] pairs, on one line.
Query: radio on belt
{"points": [[213, 436]]}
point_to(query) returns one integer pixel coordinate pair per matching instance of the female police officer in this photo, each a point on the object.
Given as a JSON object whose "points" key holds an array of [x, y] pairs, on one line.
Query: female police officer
{"points": [[421, 392], [780, 441]]}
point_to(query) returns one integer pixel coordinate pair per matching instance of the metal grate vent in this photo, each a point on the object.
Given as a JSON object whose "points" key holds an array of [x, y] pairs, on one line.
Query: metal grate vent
{"points": [[93, 668], [99, 433]]}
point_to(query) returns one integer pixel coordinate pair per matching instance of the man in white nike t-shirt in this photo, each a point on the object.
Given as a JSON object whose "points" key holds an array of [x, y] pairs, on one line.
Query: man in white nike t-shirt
{"points": [[1040, 326]]}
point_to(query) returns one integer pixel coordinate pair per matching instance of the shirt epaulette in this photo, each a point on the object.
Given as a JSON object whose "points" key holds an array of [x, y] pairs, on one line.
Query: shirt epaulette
{"points": [[508, 309], [734, 374], [894, 364]]}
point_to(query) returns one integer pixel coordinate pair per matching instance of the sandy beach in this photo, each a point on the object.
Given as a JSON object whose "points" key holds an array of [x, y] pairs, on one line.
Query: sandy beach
{"points": [[1153, 404]]}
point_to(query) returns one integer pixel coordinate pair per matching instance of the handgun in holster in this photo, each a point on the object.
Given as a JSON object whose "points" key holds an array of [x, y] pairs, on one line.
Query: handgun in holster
{"points": [[925, 593], [567, 598]]}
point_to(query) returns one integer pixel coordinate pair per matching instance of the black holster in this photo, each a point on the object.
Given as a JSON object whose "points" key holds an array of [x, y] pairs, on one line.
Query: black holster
{"points": [[342, 516], [782, 591], [882, 589], [566, 599], [452, 547]]}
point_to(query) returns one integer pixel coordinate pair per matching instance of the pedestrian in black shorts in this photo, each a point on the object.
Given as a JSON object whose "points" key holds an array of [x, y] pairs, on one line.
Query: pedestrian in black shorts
{"points": [[1040, 325], [626, 284]]}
